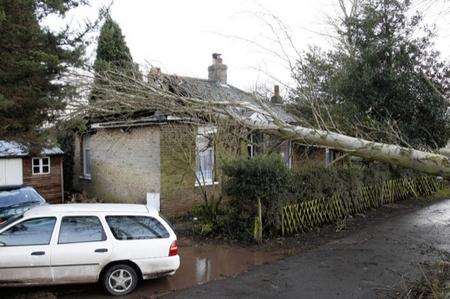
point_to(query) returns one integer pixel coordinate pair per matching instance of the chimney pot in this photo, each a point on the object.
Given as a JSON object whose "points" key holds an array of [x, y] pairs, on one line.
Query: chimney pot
{"points": [[217, 72], [155, 71], [276, 99], [276, 90]]}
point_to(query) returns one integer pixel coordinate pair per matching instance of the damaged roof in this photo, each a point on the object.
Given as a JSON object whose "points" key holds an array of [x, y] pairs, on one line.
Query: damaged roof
{"points": [[9, 149], [216, 91], [191, 87]]}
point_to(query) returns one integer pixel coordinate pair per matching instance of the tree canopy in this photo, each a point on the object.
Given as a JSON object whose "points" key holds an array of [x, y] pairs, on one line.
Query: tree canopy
{"points": [[113, 54], [383, 69], [112, 48], [32, 62]]}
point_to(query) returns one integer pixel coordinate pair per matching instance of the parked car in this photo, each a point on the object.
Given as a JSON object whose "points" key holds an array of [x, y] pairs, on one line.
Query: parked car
{"points": [[115, 244], [15, 200]]}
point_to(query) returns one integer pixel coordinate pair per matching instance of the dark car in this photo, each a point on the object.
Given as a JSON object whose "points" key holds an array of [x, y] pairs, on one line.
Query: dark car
{"points": [[15, 200]]}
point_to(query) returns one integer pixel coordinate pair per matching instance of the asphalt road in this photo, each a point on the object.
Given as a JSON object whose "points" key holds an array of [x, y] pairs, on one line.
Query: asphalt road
{"points": [[367, 264]]}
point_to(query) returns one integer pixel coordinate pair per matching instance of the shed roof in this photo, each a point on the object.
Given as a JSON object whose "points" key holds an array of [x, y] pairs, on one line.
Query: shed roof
{"points": [[9, 149]]}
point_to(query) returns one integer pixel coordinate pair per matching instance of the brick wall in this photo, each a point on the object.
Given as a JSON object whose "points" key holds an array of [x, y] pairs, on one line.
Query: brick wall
{"points": [[125, 164], [48, 185], [178, 163]]}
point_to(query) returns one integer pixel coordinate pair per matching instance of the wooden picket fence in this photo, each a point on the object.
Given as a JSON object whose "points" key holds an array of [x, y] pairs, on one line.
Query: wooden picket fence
{"points": [[311, 214]]}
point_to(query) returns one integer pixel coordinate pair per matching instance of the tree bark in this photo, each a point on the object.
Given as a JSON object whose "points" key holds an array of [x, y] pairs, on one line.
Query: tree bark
{"points": [[427, 162]]}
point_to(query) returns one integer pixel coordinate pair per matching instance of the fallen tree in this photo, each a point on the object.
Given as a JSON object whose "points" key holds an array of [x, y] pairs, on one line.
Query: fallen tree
{"points": [[125, 96]]}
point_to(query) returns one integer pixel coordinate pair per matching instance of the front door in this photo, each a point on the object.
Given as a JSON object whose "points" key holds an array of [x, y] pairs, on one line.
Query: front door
{"points": [[25, 252], [81, 251]]}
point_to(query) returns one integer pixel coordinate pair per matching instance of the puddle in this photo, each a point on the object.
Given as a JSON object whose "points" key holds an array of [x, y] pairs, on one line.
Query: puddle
{"points": [[203, 263]]}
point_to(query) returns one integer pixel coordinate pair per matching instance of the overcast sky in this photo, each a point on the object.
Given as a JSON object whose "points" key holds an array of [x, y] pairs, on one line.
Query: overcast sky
{"points": [[179, 35]]}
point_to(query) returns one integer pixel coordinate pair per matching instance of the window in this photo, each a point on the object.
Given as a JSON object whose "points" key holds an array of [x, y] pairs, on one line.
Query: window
{"points": [[136, 228], [250, 147], [329, 156], [41, 165], [255, 144], [286, 153], [30, 232], [205, 155], [87, 156], [80, 229]]}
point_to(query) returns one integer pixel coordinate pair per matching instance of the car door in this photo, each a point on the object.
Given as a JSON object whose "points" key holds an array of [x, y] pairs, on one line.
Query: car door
{"points": [[25, 252], [81, 250]]}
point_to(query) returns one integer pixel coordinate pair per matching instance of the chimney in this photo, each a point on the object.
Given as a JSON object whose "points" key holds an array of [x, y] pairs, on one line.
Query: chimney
{"points": [[276, 99], [217, 72], [155, 71]]}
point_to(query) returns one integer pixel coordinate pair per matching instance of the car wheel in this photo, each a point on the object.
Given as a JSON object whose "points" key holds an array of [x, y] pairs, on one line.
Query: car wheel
{"points": [[120, 280]]}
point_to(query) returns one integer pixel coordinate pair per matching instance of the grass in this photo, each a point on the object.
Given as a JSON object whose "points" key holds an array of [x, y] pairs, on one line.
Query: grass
{"points": [[434, 283]]}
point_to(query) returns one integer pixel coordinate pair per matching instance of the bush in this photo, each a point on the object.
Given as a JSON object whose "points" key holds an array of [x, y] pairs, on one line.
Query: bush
{"points": [[318, 181], [217, 219], [264, 177]]}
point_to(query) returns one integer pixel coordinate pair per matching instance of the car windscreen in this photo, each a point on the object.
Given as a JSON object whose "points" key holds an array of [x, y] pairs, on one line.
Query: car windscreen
{"points": [[17, 201], [7, 221], [19, 196]]}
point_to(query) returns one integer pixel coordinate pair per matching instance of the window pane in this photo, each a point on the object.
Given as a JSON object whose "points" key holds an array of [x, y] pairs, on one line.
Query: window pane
{"points": [[45, 161], [87, 162], [136, 228], [35, 162], [86, 141], [285, 153], [81, 229], [205, 165], [30, 232], [36, 169], [45, 169]]}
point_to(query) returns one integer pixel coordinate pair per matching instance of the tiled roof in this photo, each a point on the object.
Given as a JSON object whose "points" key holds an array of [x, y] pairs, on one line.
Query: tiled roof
{"points": [[211, 90]]}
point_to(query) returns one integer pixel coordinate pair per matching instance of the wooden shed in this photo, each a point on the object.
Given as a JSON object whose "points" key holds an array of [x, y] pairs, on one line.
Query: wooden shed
{"points": [[43, 171]]}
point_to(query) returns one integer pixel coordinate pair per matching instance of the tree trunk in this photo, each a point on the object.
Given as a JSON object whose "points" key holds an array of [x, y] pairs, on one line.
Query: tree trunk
{"points": [[431, 163]]}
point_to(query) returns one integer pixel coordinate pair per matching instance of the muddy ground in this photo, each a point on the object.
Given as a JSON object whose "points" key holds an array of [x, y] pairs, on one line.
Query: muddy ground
{"points": [[373, 262], [371, 255]]}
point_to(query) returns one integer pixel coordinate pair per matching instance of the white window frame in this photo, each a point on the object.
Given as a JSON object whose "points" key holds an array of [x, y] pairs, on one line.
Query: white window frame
{"points": [[329, 157], [251, 147], [87, 148], [41, 165], [289, 152], [204, 178]]}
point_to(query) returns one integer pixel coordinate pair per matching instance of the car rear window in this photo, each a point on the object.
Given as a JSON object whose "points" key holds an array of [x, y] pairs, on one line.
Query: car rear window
{"points": [[136, 228], [81, 229]]}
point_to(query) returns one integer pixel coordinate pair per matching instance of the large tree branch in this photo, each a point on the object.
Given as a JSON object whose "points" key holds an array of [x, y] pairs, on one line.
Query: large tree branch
{"points": [[126, 95]]}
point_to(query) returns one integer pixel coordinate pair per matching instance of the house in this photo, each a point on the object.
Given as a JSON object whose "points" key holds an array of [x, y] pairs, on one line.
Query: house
{"points": [[44, 171], [127, 160]]}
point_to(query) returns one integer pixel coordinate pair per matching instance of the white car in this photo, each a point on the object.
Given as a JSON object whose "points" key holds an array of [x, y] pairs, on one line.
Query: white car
{"points": [[116, 244]]}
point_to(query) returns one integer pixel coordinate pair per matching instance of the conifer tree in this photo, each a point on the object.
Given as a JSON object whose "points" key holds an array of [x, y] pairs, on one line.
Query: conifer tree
{"points": [[113, 54], [32, 62]]}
